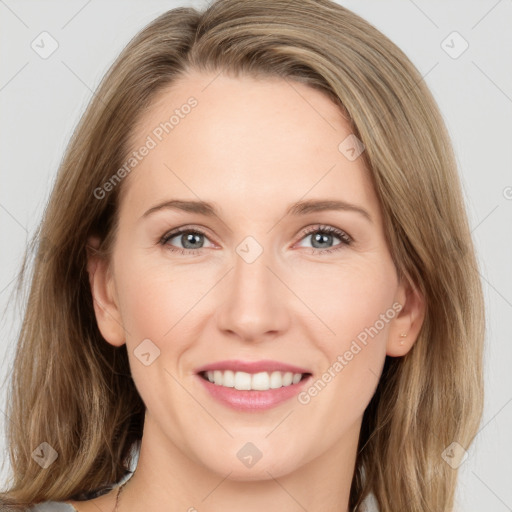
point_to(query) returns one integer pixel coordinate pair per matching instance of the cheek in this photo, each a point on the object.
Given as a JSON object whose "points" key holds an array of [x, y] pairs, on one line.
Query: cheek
{"points": [[154, 296], [154, 303], [154, 299], [351, 297], [357, 307]]}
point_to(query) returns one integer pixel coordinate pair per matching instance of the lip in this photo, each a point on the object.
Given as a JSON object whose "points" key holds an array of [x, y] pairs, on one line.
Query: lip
{"points": [[252, 366], [253, 400]]}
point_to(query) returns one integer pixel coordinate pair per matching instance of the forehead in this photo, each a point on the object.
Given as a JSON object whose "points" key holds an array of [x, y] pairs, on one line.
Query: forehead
{"points": [[253, 142]]}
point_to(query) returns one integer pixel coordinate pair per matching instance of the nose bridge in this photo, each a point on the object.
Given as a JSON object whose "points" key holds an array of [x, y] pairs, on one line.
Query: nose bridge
{"points": [[254, 301], [251, 273]]}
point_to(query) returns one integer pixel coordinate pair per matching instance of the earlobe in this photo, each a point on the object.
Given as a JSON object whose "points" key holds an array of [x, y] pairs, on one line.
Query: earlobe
{"points": [[103, 294], [406, 326]]}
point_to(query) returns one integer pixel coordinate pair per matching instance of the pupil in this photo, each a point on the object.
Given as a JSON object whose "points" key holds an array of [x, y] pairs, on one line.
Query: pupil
{"points": [[319, 236], [189, 238]]}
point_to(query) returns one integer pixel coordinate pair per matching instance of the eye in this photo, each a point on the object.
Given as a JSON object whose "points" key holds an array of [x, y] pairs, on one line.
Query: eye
{"points": [[191, 240], [322, 236]]}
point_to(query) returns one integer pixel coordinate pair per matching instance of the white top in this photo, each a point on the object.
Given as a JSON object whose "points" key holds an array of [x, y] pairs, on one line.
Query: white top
{"points": [[52, 506]]}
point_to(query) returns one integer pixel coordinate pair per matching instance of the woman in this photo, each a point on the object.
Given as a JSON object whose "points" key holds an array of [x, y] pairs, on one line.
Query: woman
{"points": [[258, 369]]}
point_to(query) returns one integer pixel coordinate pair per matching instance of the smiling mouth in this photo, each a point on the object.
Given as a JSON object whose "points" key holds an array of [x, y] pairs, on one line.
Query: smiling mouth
{"points": [[261, 381]]}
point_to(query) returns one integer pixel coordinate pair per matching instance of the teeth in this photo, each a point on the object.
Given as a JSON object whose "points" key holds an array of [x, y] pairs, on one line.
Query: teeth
{"points": [[228, 379], [262, 381], [242, 380]]}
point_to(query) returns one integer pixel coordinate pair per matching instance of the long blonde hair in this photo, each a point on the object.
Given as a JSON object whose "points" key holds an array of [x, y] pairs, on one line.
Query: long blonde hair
{"points": [[72, 390]]}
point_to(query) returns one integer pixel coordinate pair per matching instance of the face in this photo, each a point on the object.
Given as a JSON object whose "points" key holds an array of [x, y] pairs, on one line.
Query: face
{"points": [[257, 280]]}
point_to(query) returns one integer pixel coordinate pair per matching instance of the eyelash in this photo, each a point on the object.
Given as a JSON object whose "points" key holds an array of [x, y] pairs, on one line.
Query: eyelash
{"points": [[346, 240]]}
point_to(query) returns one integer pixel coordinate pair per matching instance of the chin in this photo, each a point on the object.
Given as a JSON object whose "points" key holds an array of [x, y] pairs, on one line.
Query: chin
{"points": [[259, 472]]}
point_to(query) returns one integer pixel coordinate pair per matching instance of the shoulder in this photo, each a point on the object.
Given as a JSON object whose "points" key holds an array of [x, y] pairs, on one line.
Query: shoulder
{"points": [[52, 506], [370, 504], [81, 502], [68, 506]]}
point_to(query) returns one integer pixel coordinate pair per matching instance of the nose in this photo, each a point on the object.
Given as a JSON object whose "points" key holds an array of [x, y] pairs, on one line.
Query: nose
{"points": [[254, 302]]}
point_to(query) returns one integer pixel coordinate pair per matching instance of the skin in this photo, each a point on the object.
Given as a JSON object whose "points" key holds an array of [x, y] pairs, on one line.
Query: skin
{"points": [[268, 143]]}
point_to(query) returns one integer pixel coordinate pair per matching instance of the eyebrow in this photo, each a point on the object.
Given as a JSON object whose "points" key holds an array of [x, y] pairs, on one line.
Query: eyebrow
{"points": [[296, 209]]}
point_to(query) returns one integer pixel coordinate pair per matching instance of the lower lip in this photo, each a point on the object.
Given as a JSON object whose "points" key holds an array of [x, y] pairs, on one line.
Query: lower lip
{"points": [[252, 400]]}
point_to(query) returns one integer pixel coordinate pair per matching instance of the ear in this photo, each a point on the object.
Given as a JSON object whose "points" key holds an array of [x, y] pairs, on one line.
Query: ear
{"points": [[106, 307], [408, 321]]}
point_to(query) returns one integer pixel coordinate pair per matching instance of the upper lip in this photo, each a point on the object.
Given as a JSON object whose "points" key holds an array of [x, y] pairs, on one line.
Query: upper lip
{"points": [[252, 366]]}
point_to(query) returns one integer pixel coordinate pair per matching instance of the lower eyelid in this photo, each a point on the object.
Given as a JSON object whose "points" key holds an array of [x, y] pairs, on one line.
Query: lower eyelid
{"points": [[165, 239], [345, 239]]}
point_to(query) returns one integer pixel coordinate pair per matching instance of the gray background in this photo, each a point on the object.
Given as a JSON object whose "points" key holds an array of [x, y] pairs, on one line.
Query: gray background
{"points": [[42, 99]]}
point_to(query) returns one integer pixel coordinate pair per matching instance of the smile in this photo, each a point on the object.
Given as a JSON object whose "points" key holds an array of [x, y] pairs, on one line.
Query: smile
{"points": [[252, 385], [262, 381]]}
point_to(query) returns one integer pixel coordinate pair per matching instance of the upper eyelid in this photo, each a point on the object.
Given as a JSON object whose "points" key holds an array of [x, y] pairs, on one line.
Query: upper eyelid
{"points": [[304, 233], [328, 229], [169, 235]]}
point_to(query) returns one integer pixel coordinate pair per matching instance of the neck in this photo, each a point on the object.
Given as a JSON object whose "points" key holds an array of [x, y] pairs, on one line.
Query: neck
{"points": [[169, 479]]}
